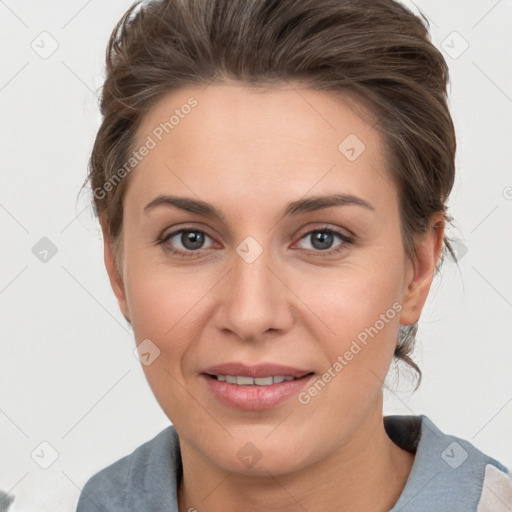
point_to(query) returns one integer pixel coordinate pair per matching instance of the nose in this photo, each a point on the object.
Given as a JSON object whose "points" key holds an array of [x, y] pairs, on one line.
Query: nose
{"points": [[254, 300]]}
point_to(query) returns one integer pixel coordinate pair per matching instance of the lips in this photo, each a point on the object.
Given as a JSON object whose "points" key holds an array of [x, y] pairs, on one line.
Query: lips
{"points": [[255, 388], [252, 381], [257, 371]]}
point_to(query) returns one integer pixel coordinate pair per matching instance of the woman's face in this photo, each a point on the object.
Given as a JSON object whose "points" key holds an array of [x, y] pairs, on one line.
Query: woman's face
{"points": [[263, 281]]}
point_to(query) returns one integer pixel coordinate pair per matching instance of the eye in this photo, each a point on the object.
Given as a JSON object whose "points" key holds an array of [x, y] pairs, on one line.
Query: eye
{"points": [[185, 242], [190, 242], [321, 240]]}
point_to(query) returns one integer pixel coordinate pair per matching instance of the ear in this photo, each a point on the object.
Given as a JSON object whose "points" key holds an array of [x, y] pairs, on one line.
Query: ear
{"points": [[114, 272], [421, 271]]}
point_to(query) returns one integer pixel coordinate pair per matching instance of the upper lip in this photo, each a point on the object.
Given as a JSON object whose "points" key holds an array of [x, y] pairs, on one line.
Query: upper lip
{"points": [[260, 370]]}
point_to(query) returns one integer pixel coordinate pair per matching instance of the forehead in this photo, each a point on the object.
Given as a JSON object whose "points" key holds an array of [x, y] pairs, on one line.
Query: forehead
{"points": [[233, 141]]}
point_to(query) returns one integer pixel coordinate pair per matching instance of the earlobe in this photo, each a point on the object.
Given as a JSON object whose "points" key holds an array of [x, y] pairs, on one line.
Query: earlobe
{"points": [[428, 251], [114, 274]]}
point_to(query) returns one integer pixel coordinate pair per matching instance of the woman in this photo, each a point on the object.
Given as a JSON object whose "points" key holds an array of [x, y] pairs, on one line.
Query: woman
{"points": [[271, 180]]}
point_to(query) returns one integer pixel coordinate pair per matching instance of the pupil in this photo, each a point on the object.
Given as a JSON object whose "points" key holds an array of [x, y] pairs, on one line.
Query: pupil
{"points": [[192, 239], [322, 240]]}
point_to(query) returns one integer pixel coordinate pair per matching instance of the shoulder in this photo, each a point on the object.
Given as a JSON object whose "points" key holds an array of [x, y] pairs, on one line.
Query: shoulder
{"points": [[448, 470], [134, 482]]}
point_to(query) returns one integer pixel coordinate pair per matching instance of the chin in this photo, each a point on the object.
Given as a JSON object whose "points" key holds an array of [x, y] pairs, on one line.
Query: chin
{"points": [[253, 459]]}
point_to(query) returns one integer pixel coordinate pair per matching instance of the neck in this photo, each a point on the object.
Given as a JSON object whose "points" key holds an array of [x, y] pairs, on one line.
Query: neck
{"points": [[368, 472]]}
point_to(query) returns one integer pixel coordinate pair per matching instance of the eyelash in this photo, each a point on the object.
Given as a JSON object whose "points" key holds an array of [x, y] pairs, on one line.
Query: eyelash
{"points": [[196, 253]]}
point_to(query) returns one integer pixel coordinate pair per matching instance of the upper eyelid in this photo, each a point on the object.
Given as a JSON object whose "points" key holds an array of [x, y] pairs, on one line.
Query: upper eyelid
{"points": [[175, 232], [329, 227]]}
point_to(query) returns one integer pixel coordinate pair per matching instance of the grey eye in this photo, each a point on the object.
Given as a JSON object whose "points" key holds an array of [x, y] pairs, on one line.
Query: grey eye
{"points": [[321, 239], [187, 239]]}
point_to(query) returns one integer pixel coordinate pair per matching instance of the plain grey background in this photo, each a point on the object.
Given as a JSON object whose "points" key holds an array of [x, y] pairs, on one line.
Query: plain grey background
{"points": [[69, 378]]}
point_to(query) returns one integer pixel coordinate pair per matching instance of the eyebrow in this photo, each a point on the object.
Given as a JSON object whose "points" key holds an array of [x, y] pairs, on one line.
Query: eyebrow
{"points": [[308, 204]]}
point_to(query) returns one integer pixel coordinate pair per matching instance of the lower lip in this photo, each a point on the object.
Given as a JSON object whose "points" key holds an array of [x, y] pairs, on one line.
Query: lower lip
{"points": [[255, 398]]}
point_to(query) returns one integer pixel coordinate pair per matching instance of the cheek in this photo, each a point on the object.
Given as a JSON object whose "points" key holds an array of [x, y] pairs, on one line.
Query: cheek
{"points": [[159, 297], [162, 304], [164, 307], [362, 308], [359, 305], [169, 306]]}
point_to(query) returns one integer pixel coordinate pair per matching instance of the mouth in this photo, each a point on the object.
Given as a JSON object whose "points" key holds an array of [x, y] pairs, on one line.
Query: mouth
{"points": [[255, 388], [259, 371], [242, 380]]}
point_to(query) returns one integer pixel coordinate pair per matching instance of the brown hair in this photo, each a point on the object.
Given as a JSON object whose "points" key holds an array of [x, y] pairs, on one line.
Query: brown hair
{"points": [[377, 49]]}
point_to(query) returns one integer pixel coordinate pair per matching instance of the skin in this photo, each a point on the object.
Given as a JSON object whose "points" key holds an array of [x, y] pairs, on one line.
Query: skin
{"points": [[249, 153]]}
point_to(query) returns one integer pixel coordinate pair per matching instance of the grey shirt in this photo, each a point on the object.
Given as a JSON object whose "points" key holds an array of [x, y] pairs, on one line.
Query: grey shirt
{"points": [[449, 474]]}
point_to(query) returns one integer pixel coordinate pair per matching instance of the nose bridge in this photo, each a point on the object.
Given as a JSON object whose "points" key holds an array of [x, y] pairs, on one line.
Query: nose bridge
{"points": [[253, 299]]}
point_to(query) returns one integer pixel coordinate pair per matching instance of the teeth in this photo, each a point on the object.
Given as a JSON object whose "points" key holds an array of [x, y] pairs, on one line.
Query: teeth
{"points": [[244, 381], [266, 381], [250, 381]]}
